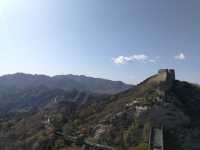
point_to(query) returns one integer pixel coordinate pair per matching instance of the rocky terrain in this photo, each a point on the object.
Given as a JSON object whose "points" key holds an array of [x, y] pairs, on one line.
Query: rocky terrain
{"points": [[159, 110]]}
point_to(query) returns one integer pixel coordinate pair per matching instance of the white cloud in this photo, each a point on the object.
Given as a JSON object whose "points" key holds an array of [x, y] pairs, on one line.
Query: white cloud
{"points": [[180, 56], [139, 57], [135, 57], [152, 60], [120, 60]]}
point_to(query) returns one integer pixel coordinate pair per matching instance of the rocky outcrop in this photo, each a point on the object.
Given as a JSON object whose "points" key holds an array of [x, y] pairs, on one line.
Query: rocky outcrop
{"points": [[100, 130]]}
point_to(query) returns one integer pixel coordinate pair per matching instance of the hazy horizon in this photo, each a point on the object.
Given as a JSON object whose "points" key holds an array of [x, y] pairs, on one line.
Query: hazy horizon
{"points": [[123, 41]]}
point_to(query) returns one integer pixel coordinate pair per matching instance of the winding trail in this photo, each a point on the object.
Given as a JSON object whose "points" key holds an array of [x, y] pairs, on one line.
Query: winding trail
{"points": [[156, 139]]}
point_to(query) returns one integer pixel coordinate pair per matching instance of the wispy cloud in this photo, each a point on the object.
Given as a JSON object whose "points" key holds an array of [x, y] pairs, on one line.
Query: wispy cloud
{"points": [[135, 57], [152, 60], [180, 56]]}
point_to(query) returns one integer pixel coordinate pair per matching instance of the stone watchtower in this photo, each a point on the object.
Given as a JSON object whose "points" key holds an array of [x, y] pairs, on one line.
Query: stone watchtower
{"points": [[167, 75], [171, 74], [167, 78]]}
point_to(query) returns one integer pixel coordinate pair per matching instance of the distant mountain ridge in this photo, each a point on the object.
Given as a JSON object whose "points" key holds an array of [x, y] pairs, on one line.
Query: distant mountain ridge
{"points": [[26, 92], [64, 82]]}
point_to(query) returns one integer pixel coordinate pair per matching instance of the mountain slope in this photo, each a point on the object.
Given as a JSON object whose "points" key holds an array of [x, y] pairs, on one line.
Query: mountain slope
{"points": [[160, 101], [16, 102]]}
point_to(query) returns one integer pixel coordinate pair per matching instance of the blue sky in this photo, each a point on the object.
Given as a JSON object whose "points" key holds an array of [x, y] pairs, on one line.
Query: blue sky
{"points": [[114, 39]]}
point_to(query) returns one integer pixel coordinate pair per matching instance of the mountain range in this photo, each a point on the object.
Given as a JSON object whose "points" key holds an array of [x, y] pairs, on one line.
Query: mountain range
{"points": [[25, 91], [159, 113], [64, 82]]}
